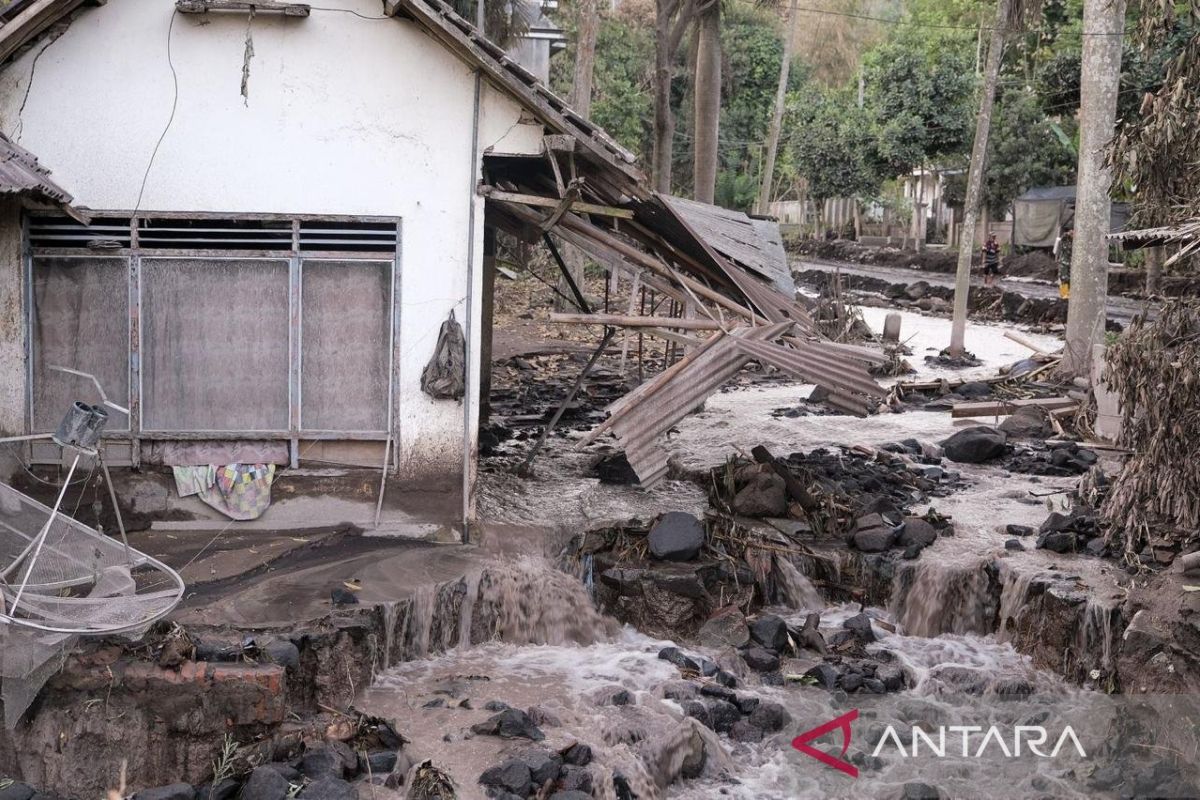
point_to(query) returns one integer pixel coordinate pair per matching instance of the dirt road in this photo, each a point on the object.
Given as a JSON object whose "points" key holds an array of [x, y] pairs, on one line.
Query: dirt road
{"points": [[1120, 308]]}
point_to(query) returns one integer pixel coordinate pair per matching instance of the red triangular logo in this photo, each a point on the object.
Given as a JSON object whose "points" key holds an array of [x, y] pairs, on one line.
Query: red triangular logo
{"points": [[801, 742]]}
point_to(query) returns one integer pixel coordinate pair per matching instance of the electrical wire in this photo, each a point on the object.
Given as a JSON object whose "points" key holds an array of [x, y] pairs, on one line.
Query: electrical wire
{"points": [[170, 119]]}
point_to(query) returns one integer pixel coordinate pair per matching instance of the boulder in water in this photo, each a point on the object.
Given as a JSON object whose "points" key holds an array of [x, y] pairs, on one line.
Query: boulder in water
{"points": [[1018, 530], [676, 536], [917, 531], [543, 765], [1014, 544], [511, 776], [1058, 542], [578, 754], [744, 731], [975, 445], [1027, 422], [511, 723], [725, 628], [825, 675], [723, 714], [873, 540], [771, 632], [676, 656], [919, 791], [860, 626], [761, 659], [770, 717]]}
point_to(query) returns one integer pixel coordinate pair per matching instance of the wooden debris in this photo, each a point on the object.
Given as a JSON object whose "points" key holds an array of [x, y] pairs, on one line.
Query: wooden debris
{"points": [[991, 408]]}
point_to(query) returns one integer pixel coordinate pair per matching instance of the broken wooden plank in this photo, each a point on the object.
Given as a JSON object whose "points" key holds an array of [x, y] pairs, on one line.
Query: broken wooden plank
{"points": [[1021, 340], [622, 321], [553, 202], [993, 408], [257, 6]]}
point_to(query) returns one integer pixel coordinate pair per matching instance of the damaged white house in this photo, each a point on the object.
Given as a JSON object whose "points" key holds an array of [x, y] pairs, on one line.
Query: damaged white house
{"points": [[259, 214]]}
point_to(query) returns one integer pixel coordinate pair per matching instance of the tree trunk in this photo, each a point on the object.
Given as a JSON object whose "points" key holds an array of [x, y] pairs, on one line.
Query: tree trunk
{"points": [[664, 119], [585, 57], [707, 89], [983, 125], [918, 220], [1154, 266], [1100, 76], [785, 66]]}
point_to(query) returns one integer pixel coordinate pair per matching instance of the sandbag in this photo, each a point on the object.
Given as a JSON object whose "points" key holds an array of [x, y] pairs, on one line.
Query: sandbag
{"points": [[445, 376]]}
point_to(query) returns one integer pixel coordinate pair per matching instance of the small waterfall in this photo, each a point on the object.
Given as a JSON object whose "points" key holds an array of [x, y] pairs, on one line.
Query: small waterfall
{"points": [[466, 614], [929, 599], [530, 602], [1014, 597], [419, 622], [391, 612], [1097, 627], [794, 587]]}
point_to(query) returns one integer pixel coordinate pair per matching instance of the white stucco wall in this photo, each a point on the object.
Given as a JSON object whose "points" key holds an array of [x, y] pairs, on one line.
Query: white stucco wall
{"points": [[344, 115]]}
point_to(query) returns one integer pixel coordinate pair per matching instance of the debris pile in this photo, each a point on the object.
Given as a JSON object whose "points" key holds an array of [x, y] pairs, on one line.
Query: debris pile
{"points": [[1155, 371]]}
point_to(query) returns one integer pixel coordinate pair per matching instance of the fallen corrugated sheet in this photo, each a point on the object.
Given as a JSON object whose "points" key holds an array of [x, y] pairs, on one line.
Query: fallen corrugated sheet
{"points": [[754, 244], [639, 418]]}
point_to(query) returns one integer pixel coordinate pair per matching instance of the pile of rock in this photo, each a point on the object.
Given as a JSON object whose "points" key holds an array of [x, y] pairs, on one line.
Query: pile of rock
{"points": [[1059, 459], [850, 668], [330, 771], [1072, 532], [543, 773], [878, 533]]}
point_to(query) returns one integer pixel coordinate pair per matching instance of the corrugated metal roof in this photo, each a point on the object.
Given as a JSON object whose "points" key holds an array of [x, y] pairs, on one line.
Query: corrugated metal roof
{"points": [[639, 418], [20, 173], [1187, 231], [753, 243]]}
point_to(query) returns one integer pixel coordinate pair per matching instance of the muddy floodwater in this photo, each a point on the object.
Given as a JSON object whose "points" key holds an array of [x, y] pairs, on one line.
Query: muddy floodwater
{"points": [[974, 718]]}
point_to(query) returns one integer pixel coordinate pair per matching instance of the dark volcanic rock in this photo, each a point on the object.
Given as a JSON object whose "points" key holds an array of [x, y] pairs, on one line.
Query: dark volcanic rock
{"points": [[723, 714], [1028, 422], [265, 783], [329, 789], [1014, 544], [614, 468], [222, 790], [512, 776], [574, 778], [764, 496], [725, 628], [543, 765], [975, 445], [677, 657], [744, 731], [1059, 542], [1019, 530], [825, 675], [919, 791], [770, 717], [761, 659], [578, 754], [771, 632], [873, 540], [860, 626], [511, 723], [917, 531], [677, 536], [174, 791], [23, 791], [321, 761]]}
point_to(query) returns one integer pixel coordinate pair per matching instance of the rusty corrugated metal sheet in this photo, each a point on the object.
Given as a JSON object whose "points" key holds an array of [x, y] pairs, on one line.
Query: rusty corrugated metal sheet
{"points": [[20, 173], [638, 419], [752, 243]]}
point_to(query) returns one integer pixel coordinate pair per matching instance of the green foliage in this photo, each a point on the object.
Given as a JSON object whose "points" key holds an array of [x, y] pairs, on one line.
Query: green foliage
{"points": [[832, 145], [1024, 150], [919, 99]]}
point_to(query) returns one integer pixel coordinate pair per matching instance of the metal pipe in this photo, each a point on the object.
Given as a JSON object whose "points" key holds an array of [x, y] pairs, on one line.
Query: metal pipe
{"points": [[41, 538], [474, 172], [112, 495]]}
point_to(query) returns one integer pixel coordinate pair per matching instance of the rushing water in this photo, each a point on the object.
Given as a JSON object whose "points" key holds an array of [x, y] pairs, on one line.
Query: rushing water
{"points": [[527, 635]]}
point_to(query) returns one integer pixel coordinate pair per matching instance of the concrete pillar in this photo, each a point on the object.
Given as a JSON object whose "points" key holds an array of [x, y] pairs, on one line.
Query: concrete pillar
{"points": [[487, 304], [891, 328], [12, 331]]}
